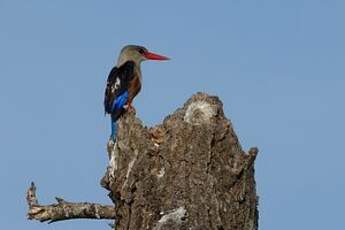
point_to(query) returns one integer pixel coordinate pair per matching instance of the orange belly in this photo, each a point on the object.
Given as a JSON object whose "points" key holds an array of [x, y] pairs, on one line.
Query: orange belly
{"points": [[133, 89]]}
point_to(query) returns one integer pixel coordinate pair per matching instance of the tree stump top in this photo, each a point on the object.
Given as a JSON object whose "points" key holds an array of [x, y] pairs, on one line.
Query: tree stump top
{"points": [[189, 172]]}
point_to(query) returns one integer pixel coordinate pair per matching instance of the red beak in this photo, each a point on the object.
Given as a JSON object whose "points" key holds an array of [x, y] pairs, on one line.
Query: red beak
{"points": [[153, 56]]}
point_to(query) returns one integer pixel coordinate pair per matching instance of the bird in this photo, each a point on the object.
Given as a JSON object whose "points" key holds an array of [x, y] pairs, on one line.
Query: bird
{"points": [[124, 82]]}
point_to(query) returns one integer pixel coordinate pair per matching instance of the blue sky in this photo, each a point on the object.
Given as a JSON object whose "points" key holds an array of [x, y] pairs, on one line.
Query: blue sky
{"points": [[278, 67]]}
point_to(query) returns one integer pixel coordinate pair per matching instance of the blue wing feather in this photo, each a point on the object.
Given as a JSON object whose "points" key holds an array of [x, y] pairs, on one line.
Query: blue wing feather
{"points": [[116, 109], [120, 101], [117, 83]]}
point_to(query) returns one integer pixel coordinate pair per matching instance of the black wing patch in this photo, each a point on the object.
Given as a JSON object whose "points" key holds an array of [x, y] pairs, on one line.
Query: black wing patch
{"points": [[117, 83]]}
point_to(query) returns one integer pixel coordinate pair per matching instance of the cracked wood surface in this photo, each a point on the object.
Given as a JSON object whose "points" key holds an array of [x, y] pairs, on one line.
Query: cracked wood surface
{"points": [[64, 210], [193, 162]]}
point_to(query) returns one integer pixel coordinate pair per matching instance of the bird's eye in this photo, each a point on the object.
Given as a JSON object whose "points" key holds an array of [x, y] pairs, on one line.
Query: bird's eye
{"points": [[141, 51]]}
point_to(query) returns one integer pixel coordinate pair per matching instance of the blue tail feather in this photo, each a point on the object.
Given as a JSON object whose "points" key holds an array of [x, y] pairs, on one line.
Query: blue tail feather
{"points": [[113, 129]]}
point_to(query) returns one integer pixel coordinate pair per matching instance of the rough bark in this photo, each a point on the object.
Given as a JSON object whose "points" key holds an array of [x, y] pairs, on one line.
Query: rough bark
{"points": [[189, 172], [64, 210]]}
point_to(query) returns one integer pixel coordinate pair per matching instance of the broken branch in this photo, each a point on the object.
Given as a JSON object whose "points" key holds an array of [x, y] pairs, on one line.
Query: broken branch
{"points": [[63, 210]]}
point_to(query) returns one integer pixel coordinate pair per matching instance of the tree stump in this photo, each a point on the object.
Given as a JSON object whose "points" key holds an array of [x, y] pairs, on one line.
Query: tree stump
{"points": [[189, 172]]}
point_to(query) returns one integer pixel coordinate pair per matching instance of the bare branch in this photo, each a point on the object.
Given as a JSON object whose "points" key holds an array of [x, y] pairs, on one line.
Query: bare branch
{"points": [[64, 210]]}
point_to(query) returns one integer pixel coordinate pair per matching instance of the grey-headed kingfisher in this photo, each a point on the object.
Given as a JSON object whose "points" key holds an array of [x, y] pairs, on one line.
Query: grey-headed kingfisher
{"points": [[124, 82]]}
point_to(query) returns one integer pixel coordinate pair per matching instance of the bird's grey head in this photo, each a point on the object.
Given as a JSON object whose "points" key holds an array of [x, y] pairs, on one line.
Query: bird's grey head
{"points": [[132, 53], [137, 54]]}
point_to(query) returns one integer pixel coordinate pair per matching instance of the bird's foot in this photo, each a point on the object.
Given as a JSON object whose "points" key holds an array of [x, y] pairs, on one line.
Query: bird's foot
{"points": [[129, 108]]}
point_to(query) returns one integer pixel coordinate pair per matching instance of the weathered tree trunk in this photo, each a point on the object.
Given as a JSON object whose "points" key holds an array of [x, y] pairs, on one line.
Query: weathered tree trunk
{"points": [[187, 173]]}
